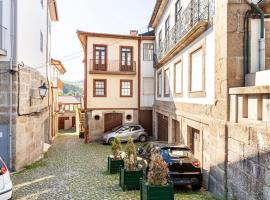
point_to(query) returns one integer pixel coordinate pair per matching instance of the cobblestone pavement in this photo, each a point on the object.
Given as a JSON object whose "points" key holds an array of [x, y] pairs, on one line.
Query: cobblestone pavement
{"points": [[73, 170]]}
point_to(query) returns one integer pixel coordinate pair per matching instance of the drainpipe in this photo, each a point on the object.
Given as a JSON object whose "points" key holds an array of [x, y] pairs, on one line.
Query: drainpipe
{"points": [[262, 39], [12, 42]]}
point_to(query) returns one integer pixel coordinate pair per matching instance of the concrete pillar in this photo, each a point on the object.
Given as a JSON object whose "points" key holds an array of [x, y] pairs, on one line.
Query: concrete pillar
{"points": [[234, 108]]}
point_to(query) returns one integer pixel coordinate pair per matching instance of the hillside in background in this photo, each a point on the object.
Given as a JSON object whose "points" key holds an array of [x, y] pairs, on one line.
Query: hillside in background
{"points": [[73, 88]]}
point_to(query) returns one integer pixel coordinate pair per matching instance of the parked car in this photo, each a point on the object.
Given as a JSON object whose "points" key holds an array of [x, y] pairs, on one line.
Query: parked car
{"points": [[135, 131], [5, 182], [184, 168]]}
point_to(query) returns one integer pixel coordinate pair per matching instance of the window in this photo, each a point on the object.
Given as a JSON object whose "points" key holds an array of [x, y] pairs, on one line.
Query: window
{"points": [[167, 82], [148, 51], [128, 117], [148, 85], [196, 83], [41, 41], [126, 58], [167, 27], [159, 38], [178, 10], [134, 128], [178, 76], [99, 88], [159, 84], [126, 88], [100, 57]]}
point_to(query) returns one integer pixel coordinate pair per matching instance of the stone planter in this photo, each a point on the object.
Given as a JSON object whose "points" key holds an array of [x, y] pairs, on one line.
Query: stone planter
{"points": [[114, 165], [130, 179], [148, 192]]}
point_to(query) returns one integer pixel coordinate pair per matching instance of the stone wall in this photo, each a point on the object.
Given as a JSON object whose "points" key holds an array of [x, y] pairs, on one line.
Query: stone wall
{"points": [[212, 142], [30, 121], [267, 44], [248, 162]]}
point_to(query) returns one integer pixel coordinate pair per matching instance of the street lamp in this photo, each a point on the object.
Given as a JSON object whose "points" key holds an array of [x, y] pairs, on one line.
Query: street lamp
{"points": [[42, 93]]}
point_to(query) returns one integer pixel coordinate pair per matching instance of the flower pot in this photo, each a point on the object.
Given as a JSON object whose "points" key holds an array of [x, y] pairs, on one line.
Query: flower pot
{"points": [[114, 165], [148, 192], [130, 179]]}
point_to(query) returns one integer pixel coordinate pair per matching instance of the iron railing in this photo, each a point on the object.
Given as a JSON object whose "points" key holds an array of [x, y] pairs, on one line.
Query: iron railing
{"points": [[196, 11], [2, 37], [114, 66]]}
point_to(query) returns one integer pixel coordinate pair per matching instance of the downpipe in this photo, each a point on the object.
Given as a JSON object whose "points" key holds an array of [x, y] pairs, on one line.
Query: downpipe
{"points": [[262, 36]]}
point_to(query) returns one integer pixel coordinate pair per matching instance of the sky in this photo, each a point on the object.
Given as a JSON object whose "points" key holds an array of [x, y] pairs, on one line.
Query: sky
{"points": [[104, 16]]}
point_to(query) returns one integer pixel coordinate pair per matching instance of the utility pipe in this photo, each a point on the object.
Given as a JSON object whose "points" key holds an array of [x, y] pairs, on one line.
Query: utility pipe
{"points": [[262, 39]]}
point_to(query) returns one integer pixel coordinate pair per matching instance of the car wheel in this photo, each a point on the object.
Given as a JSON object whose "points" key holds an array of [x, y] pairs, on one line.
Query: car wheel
{"points": [[110, 141], [142, 138], [196, 187]]}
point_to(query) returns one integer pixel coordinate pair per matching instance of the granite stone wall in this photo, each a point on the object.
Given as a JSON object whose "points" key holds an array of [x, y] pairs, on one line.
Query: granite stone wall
{"points": [[30, 122]]}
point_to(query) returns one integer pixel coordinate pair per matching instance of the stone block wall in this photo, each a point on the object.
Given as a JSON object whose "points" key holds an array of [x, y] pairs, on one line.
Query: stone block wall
{"points": [[248, 162], [30, 123]]}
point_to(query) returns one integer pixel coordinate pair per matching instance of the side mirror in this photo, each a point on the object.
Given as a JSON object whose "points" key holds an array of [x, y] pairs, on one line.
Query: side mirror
{"points": [[140, 150]]}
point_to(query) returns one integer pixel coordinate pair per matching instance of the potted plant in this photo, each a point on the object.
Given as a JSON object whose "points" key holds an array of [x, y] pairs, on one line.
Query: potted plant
{"points": [[157, 185], [130, 175], [115, 160]]}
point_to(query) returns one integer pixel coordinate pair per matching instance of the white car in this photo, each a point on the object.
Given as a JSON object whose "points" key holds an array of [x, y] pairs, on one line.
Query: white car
{"points": [[5, 182]]}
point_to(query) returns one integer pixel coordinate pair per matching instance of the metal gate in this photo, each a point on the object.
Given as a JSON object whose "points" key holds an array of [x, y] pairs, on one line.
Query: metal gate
{"points": [[4, 143]]}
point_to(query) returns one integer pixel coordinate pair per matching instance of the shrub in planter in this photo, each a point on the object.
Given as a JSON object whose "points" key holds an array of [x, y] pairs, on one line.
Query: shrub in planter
{"points": [[115, 160], [130, 175], [81, 135], [157, 185]]}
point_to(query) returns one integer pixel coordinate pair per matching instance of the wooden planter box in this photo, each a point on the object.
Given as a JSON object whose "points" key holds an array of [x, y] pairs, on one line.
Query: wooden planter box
{"points": [[148, 192], [114, 165], [130, 179]]}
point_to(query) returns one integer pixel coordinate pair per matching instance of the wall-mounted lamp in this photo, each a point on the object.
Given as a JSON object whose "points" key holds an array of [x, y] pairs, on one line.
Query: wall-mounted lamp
{"points": [[42, 93]]}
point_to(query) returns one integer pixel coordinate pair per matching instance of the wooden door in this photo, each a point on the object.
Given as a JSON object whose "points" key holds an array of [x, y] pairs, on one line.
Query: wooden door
{"points": [[73, 121], [112, 120], [100, 57], [126, 58], [146, 120], [162, 128], [176, 131]]}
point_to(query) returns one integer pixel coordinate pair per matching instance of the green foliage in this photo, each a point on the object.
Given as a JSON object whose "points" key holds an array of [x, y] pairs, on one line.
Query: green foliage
{"points": [[130, 156], [72, 89], [158, 170], [116, 148]]}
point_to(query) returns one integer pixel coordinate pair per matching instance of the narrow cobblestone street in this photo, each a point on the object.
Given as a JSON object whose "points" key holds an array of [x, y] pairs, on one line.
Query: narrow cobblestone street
{"points": [[73, 170]]}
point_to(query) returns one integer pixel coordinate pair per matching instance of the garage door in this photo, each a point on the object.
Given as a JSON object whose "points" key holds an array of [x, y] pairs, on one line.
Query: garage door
{"points": [[162, 127], [146, 120], [112, 120]]}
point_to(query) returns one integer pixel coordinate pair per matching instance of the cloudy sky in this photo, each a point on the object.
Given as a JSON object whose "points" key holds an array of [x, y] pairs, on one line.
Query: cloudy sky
{"points": [[106, 16]]}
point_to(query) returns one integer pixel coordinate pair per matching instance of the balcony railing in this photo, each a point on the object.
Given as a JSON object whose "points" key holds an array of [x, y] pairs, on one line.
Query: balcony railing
{"points": [[2, 40], [196, 11], [112, 67]]}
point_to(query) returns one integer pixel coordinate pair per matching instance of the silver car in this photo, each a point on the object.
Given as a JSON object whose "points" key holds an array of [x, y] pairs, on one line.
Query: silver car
{"points": [[123, 132]]}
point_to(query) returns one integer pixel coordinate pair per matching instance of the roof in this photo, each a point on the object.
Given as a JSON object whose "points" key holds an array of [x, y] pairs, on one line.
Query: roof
{"points": [[53, 10], [149, 33], [83, 34], [59, 66], [70, 99], [157, 13]]}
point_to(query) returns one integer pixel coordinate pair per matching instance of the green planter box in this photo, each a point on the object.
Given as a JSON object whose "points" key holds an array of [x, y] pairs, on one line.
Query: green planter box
{"points": [[130, 179], [114, 165], [148, 192]]}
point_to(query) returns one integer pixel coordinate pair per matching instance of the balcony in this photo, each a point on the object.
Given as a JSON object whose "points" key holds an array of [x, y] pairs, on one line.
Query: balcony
{"points": [[193, 22], [3, 51], [112, 67]]}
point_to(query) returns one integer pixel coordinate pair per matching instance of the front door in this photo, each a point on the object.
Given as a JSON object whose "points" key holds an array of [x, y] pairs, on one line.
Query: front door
{"points": [[112, 120], [195, 143]]}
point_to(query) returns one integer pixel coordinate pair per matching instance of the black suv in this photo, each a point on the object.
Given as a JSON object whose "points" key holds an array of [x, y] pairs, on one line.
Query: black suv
{"points": [[184, 168]]}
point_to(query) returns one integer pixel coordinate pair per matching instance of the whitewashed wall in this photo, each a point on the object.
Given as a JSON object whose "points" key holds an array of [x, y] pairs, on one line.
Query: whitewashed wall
{"points": [[6, 22], [147, 74], [208, 39]]}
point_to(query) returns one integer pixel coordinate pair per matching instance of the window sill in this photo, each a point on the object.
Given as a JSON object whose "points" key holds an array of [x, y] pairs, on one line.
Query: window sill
{"points": [[197, 94]]}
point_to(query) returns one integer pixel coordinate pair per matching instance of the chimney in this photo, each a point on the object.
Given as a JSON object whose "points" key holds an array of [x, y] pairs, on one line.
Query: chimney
{"points": [[134, 32]]}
